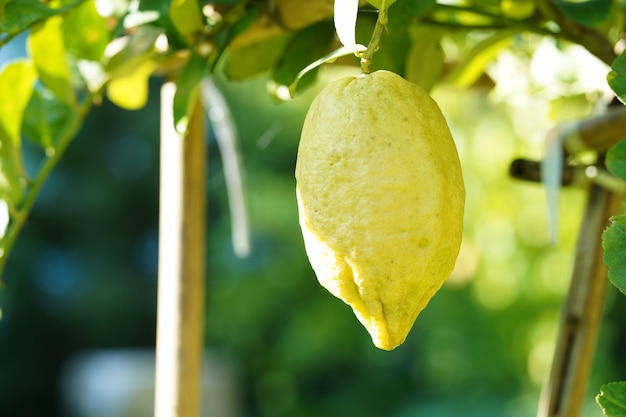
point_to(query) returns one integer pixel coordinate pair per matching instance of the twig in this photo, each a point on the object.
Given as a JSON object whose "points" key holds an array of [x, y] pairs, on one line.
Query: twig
{"points": [[381, 22], [19, 217], [590, 39]]}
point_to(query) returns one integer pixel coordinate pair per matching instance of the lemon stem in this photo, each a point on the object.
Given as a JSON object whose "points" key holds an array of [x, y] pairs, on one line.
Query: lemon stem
{"points": [[381, 22]]}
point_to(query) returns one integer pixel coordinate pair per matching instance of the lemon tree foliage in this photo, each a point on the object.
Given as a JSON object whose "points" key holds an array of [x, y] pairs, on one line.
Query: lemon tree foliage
{"points": [[612, 399], [616, 160], [79, 54], [617, 77], [614, 238], [589, 13]]}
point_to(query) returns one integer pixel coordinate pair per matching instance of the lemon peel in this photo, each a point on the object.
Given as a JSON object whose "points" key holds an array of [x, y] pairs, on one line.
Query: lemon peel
{"points": [[380, 199]]}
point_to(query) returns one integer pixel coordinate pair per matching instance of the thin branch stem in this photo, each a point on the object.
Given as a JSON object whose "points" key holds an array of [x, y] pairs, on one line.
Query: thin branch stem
{"points": [[21, 213], [592, 40], [381, 22]]}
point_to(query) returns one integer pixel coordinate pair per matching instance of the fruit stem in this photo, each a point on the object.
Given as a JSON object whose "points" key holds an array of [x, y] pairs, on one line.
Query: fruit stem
{"points": [[381, 22]]}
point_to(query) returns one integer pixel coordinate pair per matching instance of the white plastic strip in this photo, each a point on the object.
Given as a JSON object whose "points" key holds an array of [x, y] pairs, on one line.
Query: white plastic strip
{"points": [[225, 131], [346, 12], [552, 171]]}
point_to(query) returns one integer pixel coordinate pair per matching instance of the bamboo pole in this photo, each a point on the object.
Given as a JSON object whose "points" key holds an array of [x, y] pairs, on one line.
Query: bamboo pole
{"points": [[564, 393], [180, 311]]}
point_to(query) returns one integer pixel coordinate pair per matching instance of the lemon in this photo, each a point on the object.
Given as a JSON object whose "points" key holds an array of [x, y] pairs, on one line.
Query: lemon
{"points": [[380, 199]]}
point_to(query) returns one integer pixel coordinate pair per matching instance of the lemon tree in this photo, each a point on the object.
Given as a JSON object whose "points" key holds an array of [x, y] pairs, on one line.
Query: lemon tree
{"points": [[82, 52]]}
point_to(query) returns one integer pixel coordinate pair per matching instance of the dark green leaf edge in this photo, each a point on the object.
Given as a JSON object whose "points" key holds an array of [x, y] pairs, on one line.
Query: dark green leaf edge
{"points": [[612, 406], [614, 245], [20, 15]]}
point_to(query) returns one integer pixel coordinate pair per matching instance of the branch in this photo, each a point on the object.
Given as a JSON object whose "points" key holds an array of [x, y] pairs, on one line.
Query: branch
{"points": [[592, 40], [23, 211], [381, 22]]}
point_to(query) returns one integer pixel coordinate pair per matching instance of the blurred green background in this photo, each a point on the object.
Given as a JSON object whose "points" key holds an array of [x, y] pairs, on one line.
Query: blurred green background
{"points": [[83, 275]]}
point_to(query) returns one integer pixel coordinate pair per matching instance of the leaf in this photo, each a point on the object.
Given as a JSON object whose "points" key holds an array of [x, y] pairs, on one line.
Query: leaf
{"points": [[346, 12], [186, 17], [18, 77], [612, 399], [305, 47], [225, 36], [617, 77], [588, 13], [250, 60], [449, 14], [47, 50], [19, 15], [187, 86], [473, 64], [130, 91], [517, 9], [85, 32], [138, 47], [425, 59], [46, 119], [614, 245], [2, 4], [616, 159], [331, 57], [410, 9], [379, 3]]}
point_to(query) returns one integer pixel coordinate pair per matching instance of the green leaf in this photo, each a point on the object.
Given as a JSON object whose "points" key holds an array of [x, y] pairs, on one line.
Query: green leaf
{"points": [[617, 77], [187, 86], [224, 36], [46, 119], [305, 47], [47, 50], [411, 9], [187, 19], [131, 91], [614, 245], [616, 159], [18, 77], [588, 13], [250, 60], [2, 4], [85, 32], [137, 49], [517, 9], [612, 399], [331, 57], [425, 59], [462, 16], [379, 3], [473, 64], [19, 15]]}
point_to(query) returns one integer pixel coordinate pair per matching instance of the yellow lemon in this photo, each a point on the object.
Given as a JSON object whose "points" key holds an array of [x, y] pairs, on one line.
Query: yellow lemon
{"points": [[380, 199]]}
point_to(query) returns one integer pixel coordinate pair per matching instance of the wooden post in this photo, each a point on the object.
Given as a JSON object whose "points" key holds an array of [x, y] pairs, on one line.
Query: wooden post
{"points": [[180, 312], [564, 393]]}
